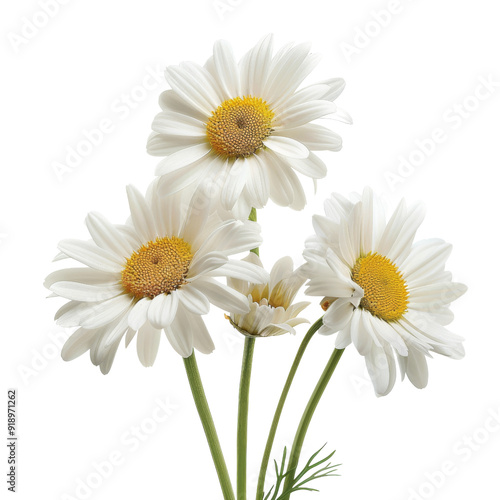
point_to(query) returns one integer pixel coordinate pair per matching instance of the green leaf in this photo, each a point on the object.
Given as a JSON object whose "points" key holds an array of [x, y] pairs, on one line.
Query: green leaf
{"points": [[312, 470]]}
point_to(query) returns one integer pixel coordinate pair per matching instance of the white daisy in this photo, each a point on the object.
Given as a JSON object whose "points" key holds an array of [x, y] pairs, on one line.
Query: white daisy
{"points": [[271, 309], [156, 273], [244, 129], [382, 292]]}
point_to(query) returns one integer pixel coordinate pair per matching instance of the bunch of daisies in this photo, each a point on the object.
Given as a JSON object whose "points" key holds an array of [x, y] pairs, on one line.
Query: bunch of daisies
{"points": [[231, 136]]}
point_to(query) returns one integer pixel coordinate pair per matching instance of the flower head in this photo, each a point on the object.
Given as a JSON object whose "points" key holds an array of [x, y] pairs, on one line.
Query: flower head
{"points": [[244, 129], [271, 311], [155, 273], [382, 292]]}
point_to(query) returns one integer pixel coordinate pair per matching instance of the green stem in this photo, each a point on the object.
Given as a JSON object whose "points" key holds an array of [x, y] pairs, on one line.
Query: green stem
{"points": [[208, 426], [307, 416], [281, 403], [253, 218], [241, 443]]}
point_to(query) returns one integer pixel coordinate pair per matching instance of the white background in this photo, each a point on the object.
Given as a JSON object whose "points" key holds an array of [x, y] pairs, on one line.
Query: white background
{"points": [[90, 62]]}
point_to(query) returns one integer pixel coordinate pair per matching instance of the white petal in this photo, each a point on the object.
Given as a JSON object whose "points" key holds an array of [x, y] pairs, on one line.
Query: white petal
{"points": [[428, 297], [311, 93], [290, 66], [388, 334], [107, 360], [148, 341], [304, 113], [362, 333], [178, 124], [79, 343], [281, 188], [173, 182], [222, 296], [232, 237], [255, 67], [91, 255], [86, 293], [193, 325], [312, 166], [183, 158], [107, 236], [129, 336], [139, 313], [141, 214], [402, 245], [194, 85], [166, 210], [335, 88], [165, 145], [290, 181], [162, 310], [71, 313], [257, 183], [170, 101], [314, 137], [283, 268], [181, 337], [426, 258], [417, 369], [286, 147], [115, 334], [399, 234], [382, 369], [84, 275], [227, 69], [102, 313], [193, 299], [234, 182], [343, 338], [337, 207], [338, 315], [242, 271], [205, 263]]}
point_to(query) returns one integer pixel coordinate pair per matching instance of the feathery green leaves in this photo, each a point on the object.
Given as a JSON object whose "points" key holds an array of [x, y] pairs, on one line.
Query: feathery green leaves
{"points": [[305, 476]]}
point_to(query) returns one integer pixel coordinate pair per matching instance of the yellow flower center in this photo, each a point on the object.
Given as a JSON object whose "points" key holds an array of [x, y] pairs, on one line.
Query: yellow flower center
{"points": [[239, 126], [385, 291], [161, 266]]}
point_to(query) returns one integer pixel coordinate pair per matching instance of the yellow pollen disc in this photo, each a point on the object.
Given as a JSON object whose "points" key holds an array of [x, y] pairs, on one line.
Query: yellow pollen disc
{"points": [[161, 266], [239, 126], [385, 292]]}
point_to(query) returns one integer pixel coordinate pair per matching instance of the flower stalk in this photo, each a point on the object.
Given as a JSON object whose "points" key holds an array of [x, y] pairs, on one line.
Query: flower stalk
{"points": [[279, 408], [253, 218], [208, 426], [307, 417], [241, 443]]}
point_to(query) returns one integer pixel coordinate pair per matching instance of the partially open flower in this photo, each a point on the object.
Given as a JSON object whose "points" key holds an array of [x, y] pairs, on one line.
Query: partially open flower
{"points": [[382, 292], [156, 273], [271, 309]]}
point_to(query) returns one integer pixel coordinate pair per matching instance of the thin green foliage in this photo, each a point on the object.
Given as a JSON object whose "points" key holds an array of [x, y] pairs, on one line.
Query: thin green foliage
{"points": [[305, 476]]}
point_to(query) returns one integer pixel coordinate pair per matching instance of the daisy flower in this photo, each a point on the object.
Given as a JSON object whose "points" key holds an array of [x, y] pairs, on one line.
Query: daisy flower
{"points": [[155, 273], [244, 129], [384, 293], [271, 310]]}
